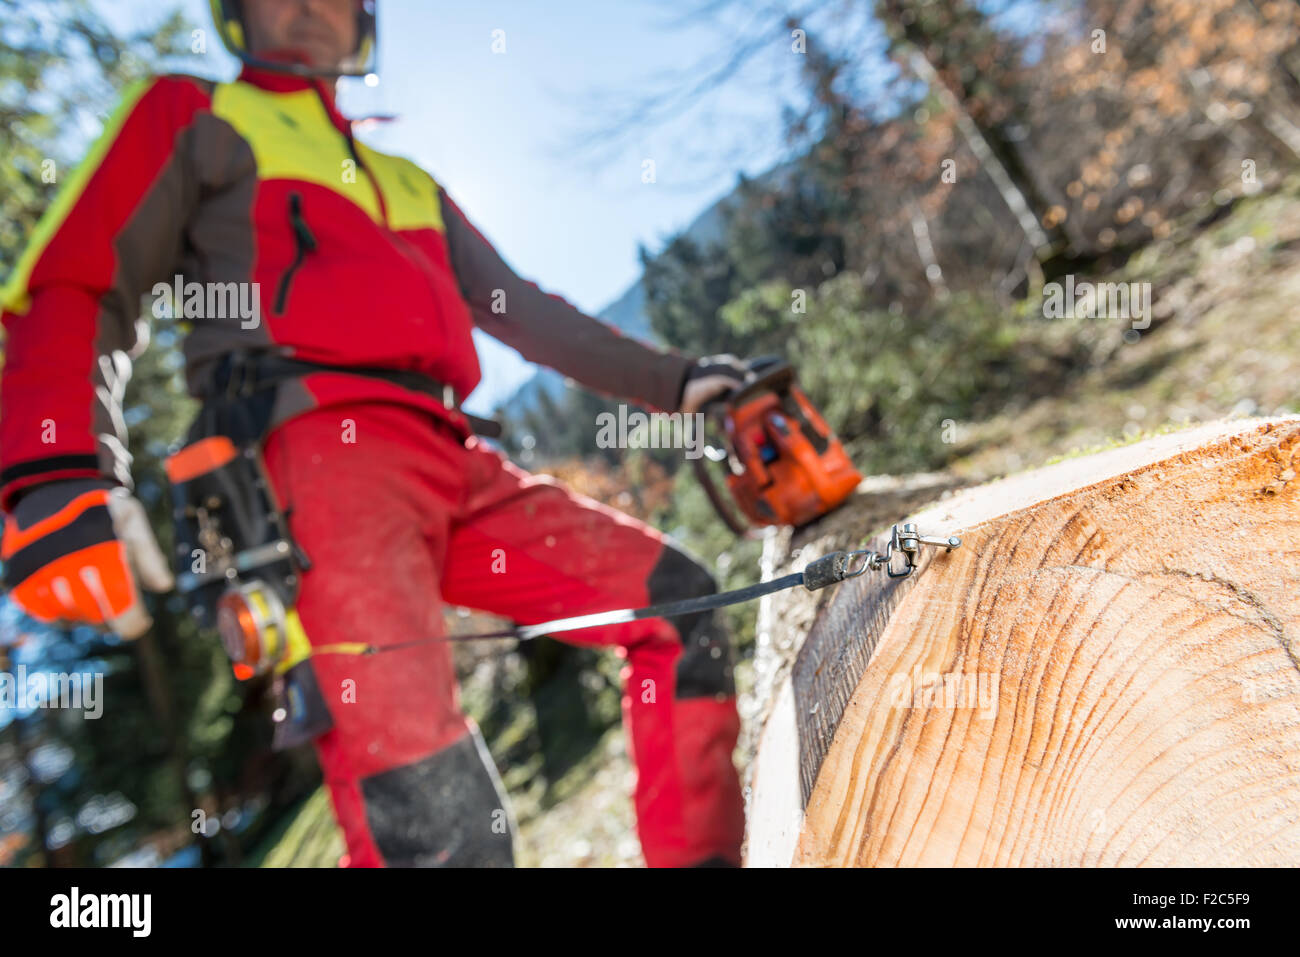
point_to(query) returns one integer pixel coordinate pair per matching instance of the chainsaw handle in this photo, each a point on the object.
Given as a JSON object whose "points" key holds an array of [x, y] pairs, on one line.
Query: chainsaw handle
{"points": [[716, 408], [719, 504]]}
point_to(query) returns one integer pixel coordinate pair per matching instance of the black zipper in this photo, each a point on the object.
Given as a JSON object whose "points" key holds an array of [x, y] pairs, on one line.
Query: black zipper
{"points": [[304, 241]]}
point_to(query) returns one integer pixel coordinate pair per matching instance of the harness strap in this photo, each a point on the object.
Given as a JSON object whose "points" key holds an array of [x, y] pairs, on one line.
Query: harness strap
{"points": [[242, 375]]}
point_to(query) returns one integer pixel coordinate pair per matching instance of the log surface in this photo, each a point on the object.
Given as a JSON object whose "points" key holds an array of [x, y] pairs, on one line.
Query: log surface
{"points": [[1105, 673]]}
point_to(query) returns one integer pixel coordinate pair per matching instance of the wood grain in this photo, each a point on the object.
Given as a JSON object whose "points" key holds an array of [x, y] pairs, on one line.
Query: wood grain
{"points": [[1106, 673]]}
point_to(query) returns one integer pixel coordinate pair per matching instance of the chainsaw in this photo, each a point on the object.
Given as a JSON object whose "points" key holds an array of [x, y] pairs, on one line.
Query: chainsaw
{"points": [[784, 464]]}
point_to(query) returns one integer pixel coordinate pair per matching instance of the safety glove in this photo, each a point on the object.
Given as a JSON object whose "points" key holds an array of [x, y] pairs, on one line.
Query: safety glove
{"points": [[712, 377], [74, 552]]}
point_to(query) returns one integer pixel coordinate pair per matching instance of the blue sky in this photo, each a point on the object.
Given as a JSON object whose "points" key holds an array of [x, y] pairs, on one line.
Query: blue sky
{"points": [[505, 133]]}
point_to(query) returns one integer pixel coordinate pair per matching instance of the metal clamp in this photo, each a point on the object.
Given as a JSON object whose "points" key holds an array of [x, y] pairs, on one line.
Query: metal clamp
{"points": [[908, 541], [839, 566]]}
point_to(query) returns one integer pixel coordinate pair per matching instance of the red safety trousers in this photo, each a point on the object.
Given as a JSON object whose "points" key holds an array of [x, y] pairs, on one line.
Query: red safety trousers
{"points": [[400, 515]]}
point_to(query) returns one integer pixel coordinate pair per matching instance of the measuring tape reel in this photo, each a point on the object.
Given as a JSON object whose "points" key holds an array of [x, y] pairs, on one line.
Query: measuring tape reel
{"points": [[240, 569]]}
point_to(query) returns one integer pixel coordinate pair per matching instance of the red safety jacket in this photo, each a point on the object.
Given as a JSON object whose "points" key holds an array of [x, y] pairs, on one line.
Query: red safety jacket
{"points": [[281, 232]]}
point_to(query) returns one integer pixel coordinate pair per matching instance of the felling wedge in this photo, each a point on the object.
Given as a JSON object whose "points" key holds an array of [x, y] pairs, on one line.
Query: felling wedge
{"points": [[1105, 675]]}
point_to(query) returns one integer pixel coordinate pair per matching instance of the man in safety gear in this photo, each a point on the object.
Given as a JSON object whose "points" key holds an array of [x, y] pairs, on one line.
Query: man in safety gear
{"points": [[362, 262]]}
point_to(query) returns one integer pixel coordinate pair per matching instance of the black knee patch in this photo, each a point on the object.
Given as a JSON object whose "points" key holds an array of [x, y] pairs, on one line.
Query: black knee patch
{"points": [[448, 810], [705, 667]]}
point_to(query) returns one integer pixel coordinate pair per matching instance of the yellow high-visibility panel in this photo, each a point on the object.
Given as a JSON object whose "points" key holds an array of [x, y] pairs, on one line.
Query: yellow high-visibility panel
{"points": [[293, 138]]}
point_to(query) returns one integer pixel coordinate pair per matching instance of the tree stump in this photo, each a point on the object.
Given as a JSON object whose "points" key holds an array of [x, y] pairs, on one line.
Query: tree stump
{"points": [[1106, 673]]}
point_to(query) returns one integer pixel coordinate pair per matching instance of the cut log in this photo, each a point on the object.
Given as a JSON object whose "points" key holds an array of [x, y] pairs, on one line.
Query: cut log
{"points": [[1106, 673]]}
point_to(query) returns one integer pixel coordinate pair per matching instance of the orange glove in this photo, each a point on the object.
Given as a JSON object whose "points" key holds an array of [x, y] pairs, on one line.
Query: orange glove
{"points": [[73, 552]]}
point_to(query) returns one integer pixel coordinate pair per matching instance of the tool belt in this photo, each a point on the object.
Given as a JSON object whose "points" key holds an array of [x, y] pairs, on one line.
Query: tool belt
{"points": [[247, 375], [236, 560]]}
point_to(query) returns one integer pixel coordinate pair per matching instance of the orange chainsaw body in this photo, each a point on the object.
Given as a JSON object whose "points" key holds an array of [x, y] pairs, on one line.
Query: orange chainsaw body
{"points": [[786, 465]]}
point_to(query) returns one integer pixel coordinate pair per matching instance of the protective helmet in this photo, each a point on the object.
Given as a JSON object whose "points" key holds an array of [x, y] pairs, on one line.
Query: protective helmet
{"points": [[228, 15]]}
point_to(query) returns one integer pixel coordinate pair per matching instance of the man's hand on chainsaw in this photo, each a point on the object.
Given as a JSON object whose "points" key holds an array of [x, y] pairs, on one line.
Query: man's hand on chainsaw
{"points": [[74, 551], [712, 377]]}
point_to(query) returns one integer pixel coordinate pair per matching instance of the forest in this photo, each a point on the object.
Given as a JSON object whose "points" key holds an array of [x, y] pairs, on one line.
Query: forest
{"points": [[966, 183]]}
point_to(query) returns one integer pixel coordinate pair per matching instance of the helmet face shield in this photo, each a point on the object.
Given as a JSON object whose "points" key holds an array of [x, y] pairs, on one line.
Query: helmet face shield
{"points": [[228, 16]]}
